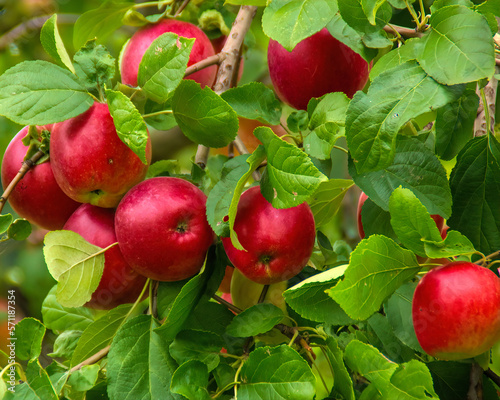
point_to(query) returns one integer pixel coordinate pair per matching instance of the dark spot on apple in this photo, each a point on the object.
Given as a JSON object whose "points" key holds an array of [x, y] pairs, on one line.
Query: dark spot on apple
{"points": [[182, 227], [110, 161], [97, 192], [265, 259]]}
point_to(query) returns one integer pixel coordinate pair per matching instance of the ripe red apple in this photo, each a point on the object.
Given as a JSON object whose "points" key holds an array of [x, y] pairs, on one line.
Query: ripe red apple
{"points": [[90, 162], [318, 65], [37, 197], [142, 39], [119, 283], [277, 242], [162, 228], [456, 310]]}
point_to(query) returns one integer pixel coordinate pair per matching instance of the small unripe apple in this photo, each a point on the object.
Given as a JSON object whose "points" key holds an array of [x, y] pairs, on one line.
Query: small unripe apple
{"points": [[456, 310], [162, 228], [318, 65], [90, 162], [142, 39], [37, 197], [277, 242], [119, 283]]}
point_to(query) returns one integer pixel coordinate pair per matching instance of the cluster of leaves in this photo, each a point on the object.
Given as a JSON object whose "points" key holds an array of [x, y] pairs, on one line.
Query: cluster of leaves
{"points": [[355, 310]]}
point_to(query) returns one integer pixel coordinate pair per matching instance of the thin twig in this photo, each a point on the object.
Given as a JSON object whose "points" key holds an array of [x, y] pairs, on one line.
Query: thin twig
{"points": [[487, 94], [92, 359], [181, 8], [493, 376], [263, 294], [405, 32], [230, 306], [26, 166], [207, 62]]}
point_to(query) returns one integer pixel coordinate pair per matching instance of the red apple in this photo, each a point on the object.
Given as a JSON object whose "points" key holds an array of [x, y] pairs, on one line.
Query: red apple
{"points": [[162, 228], [90, 162], [142, 39], [119, 283], [456, 310], [318, 65], [277, 242], [37, 197]]}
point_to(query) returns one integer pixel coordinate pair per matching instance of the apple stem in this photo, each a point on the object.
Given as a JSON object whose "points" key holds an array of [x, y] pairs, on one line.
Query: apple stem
{"points": [[313, 361], [26, 166], [263, 294], [476, 383], [493, 376], [230, 306]]}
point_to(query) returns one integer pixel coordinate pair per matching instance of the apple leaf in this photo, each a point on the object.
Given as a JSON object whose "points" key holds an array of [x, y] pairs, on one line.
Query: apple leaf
{"points": [[59, 318], [376, 221], [342, 380], [210, 317], [191, 380], [490, 6], [332, 107], [454, 244], [99, 333], [465, 37], [455, 124], [290, 177], [82, 380], [130, 126], [94, 65], [353, 12], [327, 199], [451, 379], [29, 336], [378, 266], [414, 167], [163, 66], [139, 363], [220, 197], [5, 221], [411, 221], [475, 187], [398, 311], [159, 116], [260, 318], [192, 344], [53, 44], [203, 116], [258, 3], [40, 93], [20, 229], [394, 58], [309, 298], [290, 22], [254, 101], [166, 295], [410, 380], [100, 22], [76, 264], [394, 97], [65, 344], [38, 382], [291, 375]]}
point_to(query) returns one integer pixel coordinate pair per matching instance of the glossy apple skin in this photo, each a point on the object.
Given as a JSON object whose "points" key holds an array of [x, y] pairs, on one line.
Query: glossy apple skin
{"points": [[318, 65], [143, 38], [278, 242], [162, 228], [37, 197], [90, 162], [456, 311], [119, 284]]}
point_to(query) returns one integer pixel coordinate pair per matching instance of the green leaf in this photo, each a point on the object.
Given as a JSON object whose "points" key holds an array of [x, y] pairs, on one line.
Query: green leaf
{"points": [[203, 116], [163, 66], [5, 221], [192, 344], [342, 380], [378, 266], [59, 318], [65, 344], [191, 380], [415, 167], [290, 22], [82, 380], [99, 334], [332, 107], [76, 264], [53, 44], [40, 93], [451, 379], [394, 58], [167, 293], [475, 187], [210, 317], [39, 382], [220, 197], [398, 312], [94, 65], [465, 37], [100, 22], [310, 300], [394, 97], [376, 221], [159, 116], [130, 126], [255, 320], [290, 177], [489, 6], [29, 335], [455, 124], [371, 7], [411, 221], [254, 101], [327, 199], [20, 229], [291, 375], [353, 13], [139, 363], [454, 244]]}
